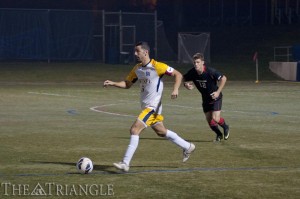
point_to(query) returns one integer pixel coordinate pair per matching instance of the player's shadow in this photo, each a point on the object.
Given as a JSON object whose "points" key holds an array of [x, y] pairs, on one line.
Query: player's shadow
{"points": [[199, 140], [103, 168], [106, 169], [163, 139]]}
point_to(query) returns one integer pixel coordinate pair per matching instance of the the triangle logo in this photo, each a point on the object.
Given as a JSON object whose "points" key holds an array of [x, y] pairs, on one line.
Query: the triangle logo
{"points": [[38, 191]]}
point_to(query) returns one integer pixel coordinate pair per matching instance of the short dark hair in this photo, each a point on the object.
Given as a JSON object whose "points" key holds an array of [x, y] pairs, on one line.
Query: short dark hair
{"points": [[198, 56], [144, 45]]}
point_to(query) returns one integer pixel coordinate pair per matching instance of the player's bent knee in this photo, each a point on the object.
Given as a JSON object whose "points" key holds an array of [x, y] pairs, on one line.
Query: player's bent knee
{"points": [[159, 129], [161, 134], [135, 131], [137, 128]]}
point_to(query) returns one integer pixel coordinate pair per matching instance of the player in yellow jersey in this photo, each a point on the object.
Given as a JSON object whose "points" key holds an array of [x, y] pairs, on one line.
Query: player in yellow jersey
{"points": [[149, 74]]}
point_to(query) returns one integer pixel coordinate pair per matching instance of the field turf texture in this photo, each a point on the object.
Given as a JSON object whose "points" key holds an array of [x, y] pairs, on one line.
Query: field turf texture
{"points": [[46, 125]]}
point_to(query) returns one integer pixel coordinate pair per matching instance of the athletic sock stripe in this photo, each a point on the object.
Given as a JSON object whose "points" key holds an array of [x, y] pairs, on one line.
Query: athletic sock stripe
{"points": [[222, 121]]}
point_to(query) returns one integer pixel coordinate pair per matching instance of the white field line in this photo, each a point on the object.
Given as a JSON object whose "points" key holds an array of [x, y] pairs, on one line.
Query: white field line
{"points": [[97, 108], [51, 94]]}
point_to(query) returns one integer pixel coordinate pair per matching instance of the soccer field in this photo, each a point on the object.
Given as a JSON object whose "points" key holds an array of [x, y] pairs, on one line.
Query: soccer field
{"points": [[46, 127]]}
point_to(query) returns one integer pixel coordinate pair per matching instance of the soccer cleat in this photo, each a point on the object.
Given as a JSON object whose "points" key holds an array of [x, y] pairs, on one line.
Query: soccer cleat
{"points": [[219, 138], [188, 152], [226, 132], [122, 166]]}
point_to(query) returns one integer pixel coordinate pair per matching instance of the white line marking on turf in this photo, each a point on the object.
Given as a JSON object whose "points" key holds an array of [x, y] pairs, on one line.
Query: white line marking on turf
{"points": [[51, 94], [97, 109], [180, 106]]}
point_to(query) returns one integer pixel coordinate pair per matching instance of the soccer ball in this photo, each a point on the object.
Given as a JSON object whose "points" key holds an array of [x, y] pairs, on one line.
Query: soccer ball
{"points": [[84, 165]]}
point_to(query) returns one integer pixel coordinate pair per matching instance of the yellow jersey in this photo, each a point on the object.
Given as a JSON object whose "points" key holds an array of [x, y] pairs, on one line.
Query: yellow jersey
{"points": [[151, 83]]}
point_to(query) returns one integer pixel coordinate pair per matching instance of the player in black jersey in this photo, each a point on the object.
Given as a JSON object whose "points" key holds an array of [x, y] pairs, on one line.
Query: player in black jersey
{"points": [[209, 83]]}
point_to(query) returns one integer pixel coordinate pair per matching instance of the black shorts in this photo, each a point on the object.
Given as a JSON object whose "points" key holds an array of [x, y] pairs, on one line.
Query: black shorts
{"points": [[215, 105]]}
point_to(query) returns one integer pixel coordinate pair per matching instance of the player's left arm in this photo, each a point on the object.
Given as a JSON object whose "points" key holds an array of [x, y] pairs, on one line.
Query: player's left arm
{"points": [[222, 82], [178, 78]]}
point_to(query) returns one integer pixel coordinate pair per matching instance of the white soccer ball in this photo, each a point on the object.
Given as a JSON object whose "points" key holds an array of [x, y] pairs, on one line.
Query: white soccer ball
{"points": [[84, 165]]}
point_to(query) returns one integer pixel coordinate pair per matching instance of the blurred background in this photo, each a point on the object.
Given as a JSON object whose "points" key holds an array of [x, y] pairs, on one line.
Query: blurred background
{"points": [[226, 31]]}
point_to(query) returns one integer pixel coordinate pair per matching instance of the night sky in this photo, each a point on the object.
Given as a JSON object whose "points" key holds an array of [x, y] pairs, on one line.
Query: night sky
{"points": [[184, 15], [179, 12]]}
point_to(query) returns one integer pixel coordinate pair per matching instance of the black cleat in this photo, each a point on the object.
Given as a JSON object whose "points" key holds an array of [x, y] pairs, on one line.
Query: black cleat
{"points": [[226, 132], [219, 138]]}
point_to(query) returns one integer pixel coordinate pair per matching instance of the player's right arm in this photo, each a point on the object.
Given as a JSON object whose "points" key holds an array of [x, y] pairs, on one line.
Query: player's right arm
{"points": [[127, 83], [122, 84]]}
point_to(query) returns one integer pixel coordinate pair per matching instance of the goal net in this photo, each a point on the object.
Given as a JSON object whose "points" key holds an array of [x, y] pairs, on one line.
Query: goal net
{"points": [[191, 43], [164, 50]]}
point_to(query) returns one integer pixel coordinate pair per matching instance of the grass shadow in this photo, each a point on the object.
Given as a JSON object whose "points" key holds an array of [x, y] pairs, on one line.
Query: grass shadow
{"points": [[163, 139], [102, 168], [106, 169]]}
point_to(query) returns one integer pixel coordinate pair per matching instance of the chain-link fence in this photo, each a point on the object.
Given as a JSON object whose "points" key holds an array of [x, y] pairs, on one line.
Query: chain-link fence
{"points": [[66, 35]]}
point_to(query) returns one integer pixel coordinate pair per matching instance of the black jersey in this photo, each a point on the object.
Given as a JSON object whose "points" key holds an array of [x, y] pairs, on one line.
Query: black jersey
{"points": [[206, 83]]}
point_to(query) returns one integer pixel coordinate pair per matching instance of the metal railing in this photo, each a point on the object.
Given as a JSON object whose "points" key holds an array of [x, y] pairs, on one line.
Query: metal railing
{"points": [[283, 53]]}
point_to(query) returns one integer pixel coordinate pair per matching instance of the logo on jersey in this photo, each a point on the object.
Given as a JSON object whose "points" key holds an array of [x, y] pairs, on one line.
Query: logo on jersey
{"points": [[147, 73], [145, 81]]}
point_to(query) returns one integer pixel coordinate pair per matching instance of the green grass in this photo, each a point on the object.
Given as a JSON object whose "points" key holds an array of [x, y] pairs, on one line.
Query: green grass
{"points": [[46, 125], [234, 69]]}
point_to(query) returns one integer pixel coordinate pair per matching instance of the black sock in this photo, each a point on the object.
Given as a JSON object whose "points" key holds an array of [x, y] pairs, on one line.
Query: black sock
{"points": [[214, 126], [222, 123]]}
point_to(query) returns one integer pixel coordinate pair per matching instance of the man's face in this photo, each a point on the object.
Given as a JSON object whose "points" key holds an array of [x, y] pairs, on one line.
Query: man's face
{"points": [[140, 53], [198, 64]]}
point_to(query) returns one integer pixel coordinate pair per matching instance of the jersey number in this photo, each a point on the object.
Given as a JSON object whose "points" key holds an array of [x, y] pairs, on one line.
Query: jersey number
{"points": [[202, 84]]}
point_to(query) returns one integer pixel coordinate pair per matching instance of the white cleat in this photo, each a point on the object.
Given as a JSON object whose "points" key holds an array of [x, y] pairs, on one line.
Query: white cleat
{"points": [[188, 152], [122, 166]]}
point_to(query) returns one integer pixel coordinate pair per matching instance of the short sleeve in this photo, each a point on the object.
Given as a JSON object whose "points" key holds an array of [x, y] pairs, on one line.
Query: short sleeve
{"points": [[162, 69], [132, 77], [216, 74]]}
